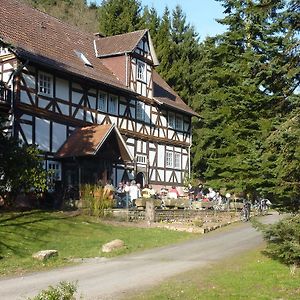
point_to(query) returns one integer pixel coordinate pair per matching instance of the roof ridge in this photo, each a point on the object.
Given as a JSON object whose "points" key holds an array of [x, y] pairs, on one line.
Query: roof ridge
{"points": [[126, 33]]}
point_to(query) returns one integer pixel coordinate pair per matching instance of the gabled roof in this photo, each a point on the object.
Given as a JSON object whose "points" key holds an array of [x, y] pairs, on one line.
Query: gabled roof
{"points": [[56, 45], [119, 44], [123, 43], [88, 141], [46, 40]]}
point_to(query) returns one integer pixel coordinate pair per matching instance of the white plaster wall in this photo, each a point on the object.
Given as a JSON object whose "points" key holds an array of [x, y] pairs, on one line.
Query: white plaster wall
{"points": [[64, 108], [42, 103], [161, 156], [168, 175], [76, 97], [163, 121], [151, 157], [93, 102], [153, 175], [27, 130], [29, 80], [24, 97], [59, 135], [161, 174], [42, 134], [62, 89]]}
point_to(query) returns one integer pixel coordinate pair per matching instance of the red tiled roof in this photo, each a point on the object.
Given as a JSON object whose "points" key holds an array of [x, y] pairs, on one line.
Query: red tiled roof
{"points": [[87, 141], [165, 95], [119, 44], [45, 39]]}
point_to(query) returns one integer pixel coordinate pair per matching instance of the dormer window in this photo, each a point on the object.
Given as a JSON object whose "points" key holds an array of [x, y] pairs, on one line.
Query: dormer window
{"points": [[83, 58], [141, 71]]}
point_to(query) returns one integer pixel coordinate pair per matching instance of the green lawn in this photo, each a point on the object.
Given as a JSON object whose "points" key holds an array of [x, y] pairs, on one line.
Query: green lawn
{"points": [[249, 276], [22, 234]]}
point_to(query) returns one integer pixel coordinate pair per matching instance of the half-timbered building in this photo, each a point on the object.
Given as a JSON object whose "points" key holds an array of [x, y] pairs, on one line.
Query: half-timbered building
{"points": [[94, 105]]}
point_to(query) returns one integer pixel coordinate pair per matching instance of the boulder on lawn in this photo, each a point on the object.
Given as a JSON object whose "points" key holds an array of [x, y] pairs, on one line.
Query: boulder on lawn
{"points": [[45, 254], [113, 245]]}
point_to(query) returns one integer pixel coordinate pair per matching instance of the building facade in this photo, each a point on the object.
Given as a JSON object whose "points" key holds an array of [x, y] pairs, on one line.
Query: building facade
{"points": [[61, 85]]}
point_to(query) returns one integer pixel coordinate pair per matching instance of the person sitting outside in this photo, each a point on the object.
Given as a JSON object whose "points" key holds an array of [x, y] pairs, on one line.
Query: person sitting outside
{"points": [[146, 193], [109, 190], [173, 193], [134, 192]]}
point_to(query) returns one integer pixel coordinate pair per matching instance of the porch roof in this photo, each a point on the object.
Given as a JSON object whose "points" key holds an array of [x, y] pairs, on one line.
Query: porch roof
{"points": [[87, 141]]}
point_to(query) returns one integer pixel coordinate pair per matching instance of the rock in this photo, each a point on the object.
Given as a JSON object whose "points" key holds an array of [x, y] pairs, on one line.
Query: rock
{"points": [[113, 245], [45, 254]]}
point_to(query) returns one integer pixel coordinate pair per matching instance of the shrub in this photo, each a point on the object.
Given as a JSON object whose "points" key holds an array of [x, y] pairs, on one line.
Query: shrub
{"points": [[95, 199], [283, 240], [63, 291]]}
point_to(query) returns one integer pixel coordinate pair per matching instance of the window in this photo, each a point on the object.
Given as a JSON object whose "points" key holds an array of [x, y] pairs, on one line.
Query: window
{"points": [[140, 111], [141, 159], [169, 159], [177, 160], [83, 58], [45, 84], [54, 173], [102, 101], [171, 120], [113, 104], [178, 123], [141, 71]]}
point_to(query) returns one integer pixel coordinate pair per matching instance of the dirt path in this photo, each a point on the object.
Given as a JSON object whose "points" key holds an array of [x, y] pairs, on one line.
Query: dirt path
{"points": [[112, 278]]}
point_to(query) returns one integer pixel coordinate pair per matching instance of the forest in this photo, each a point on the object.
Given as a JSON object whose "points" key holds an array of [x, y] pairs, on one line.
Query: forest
{"points": [[243, 83]]}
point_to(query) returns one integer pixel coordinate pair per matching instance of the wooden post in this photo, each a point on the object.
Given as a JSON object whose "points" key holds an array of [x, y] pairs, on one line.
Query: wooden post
{"points": [[150, 211]]}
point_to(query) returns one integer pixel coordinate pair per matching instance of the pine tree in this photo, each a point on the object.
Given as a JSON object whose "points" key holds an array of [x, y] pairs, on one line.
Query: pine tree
{"points": [[119, 16], [244, 87]]}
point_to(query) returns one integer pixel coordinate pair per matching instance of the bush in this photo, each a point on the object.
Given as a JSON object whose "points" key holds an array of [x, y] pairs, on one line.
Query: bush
{"points": [[283, 240], [63, 291], [95, 199]]}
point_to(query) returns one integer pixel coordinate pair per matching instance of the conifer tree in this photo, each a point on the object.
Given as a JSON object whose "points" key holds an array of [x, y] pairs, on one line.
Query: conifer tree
{"points": [[245, 92], [119, 16]]}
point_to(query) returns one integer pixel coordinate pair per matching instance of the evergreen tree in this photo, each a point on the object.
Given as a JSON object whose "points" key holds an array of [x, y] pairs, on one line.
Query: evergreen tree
{"points": [[245, 91], [119, 16], [185, 53]]}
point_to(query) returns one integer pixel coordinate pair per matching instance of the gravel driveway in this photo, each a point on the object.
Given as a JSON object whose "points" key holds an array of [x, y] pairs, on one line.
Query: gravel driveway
{"points": [[112, 278]]}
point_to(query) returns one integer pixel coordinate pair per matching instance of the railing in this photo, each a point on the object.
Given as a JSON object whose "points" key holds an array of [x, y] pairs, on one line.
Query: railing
{"points": [[5, 93]]}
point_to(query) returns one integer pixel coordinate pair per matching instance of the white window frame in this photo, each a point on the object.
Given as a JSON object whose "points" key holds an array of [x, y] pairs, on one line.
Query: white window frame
{"points": [[45, 84], [178, 122], [54, 173], [102, 101], [171, 119], [112, 104], [177, 160], [169, 159], [141, 159], [140, 111], [141, 68]]}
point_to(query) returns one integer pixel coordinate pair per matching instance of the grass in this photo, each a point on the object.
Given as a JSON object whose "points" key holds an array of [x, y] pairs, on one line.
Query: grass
{"points": [[249, 276], [22, 234]]}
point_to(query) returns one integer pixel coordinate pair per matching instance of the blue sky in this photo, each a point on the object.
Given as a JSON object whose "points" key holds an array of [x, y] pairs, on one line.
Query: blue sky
{"points": [[200, 13]]}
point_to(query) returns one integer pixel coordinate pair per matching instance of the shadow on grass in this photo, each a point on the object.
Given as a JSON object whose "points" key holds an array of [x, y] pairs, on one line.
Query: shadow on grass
{"points": [[19, 229]]}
